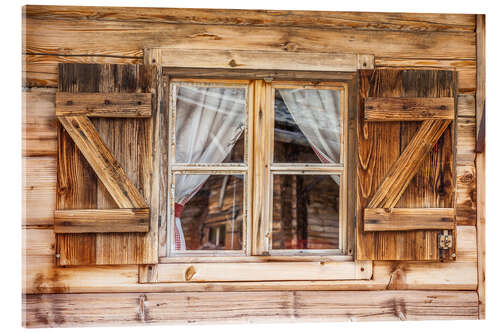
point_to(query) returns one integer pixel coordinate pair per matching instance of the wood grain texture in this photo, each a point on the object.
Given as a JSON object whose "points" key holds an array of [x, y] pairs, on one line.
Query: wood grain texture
{"points": [[481, 82], [171, 57], [406, 166], [39, 187], [102, 161], [408, 109], [401, 219], [128, 39], [433, 184], [41, 275], [112, 105], [277, 271], [101, 220], [132, 150], [269, 18], [466, 69], [39, 131], [57, 310], [481, 161]]}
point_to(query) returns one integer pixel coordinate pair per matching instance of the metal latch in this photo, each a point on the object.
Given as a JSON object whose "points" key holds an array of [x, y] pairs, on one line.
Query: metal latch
{"points": [[445, 240]]}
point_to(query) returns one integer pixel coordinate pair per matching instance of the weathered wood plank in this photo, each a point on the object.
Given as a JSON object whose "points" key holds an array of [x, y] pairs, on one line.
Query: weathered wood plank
{"points": [[127, 39], [133, 153], [466, 69], [399, 219], [406, 166], [39, 188], [114, 105], [171, 57], [271, 18], [408, 109], [39, 123], [481, 160], [380, 145], [104, 164], [41, 275], [272, 271], [101, 220], [56, 310], [466, 195]]}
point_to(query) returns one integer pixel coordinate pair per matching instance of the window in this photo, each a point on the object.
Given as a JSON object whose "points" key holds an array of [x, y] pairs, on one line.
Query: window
{"points": [[256, 169]]}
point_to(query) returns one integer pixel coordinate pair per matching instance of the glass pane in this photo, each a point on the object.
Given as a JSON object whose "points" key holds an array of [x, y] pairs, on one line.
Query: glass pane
{"points": [[307, 126], [209, 124], [305, 212], [209, 211]]}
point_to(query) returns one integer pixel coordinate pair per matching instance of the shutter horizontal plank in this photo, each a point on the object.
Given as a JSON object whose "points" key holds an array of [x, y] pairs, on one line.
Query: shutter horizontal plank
{"points": [[106, 167], [401, 219], [117, 105], [409, 109], [101, 220]]}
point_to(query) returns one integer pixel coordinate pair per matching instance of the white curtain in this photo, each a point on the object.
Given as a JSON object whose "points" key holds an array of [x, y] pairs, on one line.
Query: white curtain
{"points": [[209, 121], [317, 113]]}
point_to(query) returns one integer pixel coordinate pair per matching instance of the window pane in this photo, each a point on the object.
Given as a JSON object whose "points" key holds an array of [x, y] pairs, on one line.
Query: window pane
{"points": [[307, 126], [209, 211], [209, 124], [305, 212]]}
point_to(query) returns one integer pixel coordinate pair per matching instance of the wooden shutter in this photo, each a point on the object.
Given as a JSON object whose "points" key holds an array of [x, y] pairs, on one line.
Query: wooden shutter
{"points": [[104, 214], [406, 165]]}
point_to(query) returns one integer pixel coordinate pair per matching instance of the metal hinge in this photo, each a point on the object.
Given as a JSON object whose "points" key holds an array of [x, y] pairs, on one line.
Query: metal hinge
{"points": [[445, 240]]}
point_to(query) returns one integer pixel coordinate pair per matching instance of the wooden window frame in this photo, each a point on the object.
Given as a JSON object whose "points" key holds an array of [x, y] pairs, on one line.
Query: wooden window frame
{"points": [[266, 267]]}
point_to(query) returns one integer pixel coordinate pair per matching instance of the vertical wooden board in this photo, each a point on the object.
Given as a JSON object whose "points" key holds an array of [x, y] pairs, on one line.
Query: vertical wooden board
{"points": [[130, 142], [381, 143]]}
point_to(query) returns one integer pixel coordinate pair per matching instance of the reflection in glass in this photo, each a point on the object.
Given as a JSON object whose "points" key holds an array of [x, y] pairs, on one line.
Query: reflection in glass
{"points": [[307, 126], [305, 212], [210, 216], [209, 123]]}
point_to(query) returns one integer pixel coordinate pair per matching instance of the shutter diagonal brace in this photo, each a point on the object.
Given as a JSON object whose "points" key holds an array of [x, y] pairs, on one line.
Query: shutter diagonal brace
{"points": [[129, 200]]}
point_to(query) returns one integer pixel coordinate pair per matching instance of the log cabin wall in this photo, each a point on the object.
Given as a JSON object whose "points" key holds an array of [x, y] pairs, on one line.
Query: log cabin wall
{"points": [[68, 296]]}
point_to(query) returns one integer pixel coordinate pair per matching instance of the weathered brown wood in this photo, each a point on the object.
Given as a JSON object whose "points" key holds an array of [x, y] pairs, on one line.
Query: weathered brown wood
{"points": [[108, 309], [380, 146], [249, 59], [481, 83], [271, 271], [132, 151], [466, 195], [401, 173], [101, 220], [270, 18], [408, 109], [466, 69], [481, 161], [399, 219], [104, 164], [114, 105], [127, 39], [39, 187], [39, 123], [41, 275]]}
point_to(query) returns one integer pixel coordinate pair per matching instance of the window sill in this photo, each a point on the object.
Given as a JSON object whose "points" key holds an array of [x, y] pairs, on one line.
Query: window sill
{"points": [[264, 271]]}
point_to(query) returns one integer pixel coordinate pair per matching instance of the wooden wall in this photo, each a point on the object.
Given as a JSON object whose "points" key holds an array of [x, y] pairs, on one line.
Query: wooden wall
{"points": [[396, 291]]}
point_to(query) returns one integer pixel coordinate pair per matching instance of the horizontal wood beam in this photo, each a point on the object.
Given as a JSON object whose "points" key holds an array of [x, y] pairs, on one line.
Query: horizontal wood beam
{"points": [[104, 309], [101, 220], [270, 271], [102, 161], [409, 109], [242, 59], [116, 105], [402, 219]]}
